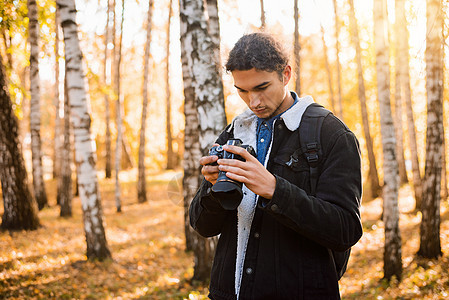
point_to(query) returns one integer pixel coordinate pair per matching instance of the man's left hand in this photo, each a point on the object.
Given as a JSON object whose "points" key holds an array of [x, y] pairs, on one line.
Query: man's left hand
{"points": [[250, 172]]}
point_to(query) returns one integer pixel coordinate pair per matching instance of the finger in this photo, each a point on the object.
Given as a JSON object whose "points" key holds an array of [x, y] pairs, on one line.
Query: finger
{"points": [[231, 162], [205, 160], [209, 170], [239, 151]]}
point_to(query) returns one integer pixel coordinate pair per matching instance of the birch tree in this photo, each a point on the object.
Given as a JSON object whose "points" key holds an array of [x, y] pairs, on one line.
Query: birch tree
{"points": [[20, 209], [339, 111], [262, 16], [171, 157], [296, 50], [35, 112], [118, 113], [204, 98], [57, 133], [65, 178], [328, 70], [392, 249], [373, 177], [430, 245], [398, 99], [141, 183], [107, 109], [97, 247], [404, 71]]}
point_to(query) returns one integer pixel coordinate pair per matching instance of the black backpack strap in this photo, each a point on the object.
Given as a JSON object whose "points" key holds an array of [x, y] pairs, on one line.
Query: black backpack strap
{"points": [[310, 139]]}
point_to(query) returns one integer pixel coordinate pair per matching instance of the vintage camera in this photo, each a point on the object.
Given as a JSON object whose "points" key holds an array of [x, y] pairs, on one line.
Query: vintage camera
{"points": [[227, 191]]}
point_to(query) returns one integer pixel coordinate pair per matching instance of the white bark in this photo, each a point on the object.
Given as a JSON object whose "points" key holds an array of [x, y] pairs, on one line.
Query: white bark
{"points": [[141, 184], [392, 250], [404, 70], [85, 156], [118, 114], [57, 103], [204, 107], [106, 83], [337, 50], [35, 112], [430, 244], [297, 49]]}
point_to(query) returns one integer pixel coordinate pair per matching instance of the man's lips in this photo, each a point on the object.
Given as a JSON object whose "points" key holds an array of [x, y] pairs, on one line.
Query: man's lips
{"points": [[259, 110]]}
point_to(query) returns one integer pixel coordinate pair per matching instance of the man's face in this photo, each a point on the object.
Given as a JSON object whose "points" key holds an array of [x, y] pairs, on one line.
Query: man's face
{"points": [[265, 93]]}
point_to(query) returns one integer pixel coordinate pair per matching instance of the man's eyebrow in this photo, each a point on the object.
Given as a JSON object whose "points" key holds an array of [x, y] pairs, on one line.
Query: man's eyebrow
{"points": [[256, 87]]}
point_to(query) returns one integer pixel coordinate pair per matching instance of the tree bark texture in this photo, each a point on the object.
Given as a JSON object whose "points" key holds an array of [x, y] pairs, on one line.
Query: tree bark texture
{"points": [[203, 85], [392, 249], [107, 109], [35, 111], [141, 183], [297, 50], [171, 157], [118, 114], [20, 209], [404, 70], [398, 97], [65, 178], [97, 247], [337, 52], [373, 176], [57, 103], [430, 245]]}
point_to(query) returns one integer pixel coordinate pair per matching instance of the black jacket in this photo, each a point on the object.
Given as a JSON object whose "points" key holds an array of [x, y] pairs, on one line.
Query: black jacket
{"points": [[287, 255]]}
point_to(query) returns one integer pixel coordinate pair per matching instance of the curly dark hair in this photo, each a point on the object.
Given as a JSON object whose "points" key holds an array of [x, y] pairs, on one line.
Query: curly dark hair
{"points": [[260, 51]]}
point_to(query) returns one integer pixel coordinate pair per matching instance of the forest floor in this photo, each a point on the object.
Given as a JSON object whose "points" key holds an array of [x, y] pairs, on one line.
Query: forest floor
{"points": [[149, 259]]}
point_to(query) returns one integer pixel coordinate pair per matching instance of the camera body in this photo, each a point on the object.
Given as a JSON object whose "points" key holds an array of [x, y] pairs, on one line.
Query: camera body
{"points": [[227, 191]]}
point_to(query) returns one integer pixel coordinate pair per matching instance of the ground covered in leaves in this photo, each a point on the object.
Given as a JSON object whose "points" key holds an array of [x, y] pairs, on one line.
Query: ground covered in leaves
{"points": [[149, 259]]}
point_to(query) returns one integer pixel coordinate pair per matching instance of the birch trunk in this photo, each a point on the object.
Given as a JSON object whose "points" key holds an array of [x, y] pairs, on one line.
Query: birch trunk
{"points": [[118, 114], [108, 156], [20, 209], [141, 184], [392, 249], [297, 49], [171, 157], [404, 70], [262, 16], [35, 113], [398, 94], [328, 70], [203, 85], [430, 245], [373, 176], [57, 135], [337, 51], [97, 247], [65, 178]]}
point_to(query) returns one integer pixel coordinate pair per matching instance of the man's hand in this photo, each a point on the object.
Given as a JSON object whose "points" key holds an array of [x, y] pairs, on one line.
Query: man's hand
{"points": [[250, 172], [209, 172]]}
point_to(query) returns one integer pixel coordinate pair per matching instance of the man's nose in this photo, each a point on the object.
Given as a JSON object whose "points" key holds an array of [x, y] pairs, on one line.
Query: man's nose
{"points": [[254, 100]]}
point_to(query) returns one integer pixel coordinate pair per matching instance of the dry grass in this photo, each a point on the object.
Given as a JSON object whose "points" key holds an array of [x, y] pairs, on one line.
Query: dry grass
{"points": [[149, 261]]}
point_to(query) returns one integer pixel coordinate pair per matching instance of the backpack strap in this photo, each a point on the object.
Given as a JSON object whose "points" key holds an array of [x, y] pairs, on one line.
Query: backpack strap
{"points": [[310, 139]]}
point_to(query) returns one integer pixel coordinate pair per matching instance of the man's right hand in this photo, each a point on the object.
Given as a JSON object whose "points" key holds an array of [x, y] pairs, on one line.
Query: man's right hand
{"points": [[209, 172]]}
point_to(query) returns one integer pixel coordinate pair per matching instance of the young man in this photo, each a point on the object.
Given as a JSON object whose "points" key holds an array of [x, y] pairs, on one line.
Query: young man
{"points": [[278, 243]]}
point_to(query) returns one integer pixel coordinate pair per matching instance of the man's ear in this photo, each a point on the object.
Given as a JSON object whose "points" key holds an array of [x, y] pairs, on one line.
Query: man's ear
{"points": [[286, 74]]}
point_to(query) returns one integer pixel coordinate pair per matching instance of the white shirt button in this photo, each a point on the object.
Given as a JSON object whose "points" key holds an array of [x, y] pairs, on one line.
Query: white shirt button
{"points": [[262, 140], [249, 271]]}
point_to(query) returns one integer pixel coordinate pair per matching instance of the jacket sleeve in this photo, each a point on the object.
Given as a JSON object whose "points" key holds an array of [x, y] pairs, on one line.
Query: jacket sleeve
{"points": [[205, 212], [332, 217]]}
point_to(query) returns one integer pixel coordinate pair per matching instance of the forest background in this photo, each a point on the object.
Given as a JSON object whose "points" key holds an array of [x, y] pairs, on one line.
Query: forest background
{"points": [[318, 61]]}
